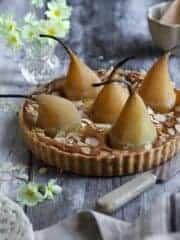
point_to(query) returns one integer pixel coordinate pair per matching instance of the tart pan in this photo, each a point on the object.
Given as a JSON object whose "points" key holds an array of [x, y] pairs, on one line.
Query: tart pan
{"points": [[116, 163]]}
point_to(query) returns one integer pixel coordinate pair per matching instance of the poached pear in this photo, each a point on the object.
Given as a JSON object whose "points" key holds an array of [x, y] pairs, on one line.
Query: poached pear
{"points": [[109, 103], [157, 89], [134, 128], [56, 113], [80, 77], [111, 99]]}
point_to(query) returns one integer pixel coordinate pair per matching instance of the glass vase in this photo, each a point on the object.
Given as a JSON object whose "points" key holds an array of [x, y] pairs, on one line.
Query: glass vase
{"points": [[38, 63]]}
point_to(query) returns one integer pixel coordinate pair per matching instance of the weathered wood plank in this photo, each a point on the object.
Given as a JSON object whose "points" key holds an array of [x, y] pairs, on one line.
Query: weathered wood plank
{"points": [[14, 154], [12, 149]]}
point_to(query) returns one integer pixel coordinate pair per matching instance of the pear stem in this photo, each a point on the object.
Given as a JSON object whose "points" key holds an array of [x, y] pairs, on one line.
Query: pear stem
{"points": [[115, 80], [67, 49], [119, 64], [109, 80], [13, 96]]}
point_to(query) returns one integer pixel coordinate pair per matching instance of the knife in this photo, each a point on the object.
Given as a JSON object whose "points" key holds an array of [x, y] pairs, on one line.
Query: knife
{"points": [[130, 190]]}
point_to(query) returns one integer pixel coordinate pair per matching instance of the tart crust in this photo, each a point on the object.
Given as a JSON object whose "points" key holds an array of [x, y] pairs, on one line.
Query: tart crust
{"points": [[110, 162]]}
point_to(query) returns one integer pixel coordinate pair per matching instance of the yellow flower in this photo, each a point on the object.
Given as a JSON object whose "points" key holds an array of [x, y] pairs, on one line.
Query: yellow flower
{"points": [[13, 40], [29, 32], [51, 29], [29, 195], [56, 28], [7, 23], [52, 189], [30, 19], [58, 10]]}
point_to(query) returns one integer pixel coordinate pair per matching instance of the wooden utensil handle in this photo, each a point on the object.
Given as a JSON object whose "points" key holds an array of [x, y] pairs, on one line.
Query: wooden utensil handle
{"points": [[125, 193]]}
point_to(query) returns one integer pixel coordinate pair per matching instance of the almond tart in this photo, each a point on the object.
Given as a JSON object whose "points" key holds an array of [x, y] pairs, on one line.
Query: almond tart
{"points": [[84, 149]]}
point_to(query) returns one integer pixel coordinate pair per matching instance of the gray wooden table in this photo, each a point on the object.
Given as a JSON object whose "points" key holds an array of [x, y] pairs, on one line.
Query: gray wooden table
{"points": [[103, 31]]}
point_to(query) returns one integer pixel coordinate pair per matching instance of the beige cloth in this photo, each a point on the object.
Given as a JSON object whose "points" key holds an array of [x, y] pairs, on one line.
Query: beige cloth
{"points": [[160, 223]]}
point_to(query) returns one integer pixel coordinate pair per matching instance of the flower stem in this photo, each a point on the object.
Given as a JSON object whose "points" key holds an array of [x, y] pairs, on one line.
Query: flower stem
{"points": [[110, 80], [127, 83], [119, 64]]}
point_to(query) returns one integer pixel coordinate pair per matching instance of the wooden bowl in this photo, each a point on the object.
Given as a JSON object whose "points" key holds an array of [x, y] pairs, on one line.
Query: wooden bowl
{"points": [[163, 35]]}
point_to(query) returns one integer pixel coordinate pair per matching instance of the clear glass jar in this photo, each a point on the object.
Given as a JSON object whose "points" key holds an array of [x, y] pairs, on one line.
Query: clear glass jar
{"points": [[38, 62]]}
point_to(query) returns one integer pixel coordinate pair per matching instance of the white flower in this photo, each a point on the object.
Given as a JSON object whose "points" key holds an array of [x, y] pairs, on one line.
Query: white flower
{"points": [[29, 33], [9, 31], [37, 3], [30, 18], [58, 10], [64, 27], [56, 28], [57, 24], [51, 28], [13, 40], [7, 24], [29, 195], [52, 189], [32, 28]]}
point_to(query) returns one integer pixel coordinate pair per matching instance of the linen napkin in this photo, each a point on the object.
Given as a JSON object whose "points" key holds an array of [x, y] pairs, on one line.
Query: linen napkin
{"points": [[160, 223]]}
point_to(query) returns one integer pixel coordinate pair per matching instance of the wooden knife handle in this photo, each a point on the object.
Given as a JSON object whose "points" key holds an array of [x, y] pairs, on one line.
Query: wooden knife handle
{"points": [[125, 193]]}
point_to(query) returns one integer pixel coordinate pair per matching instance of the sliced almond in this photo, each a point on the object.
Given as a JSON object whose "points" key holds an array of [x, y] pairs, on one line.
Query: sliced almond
{"points": [[165, 135], [70, 141], [103, 126], [162, 139], [92, 141], [177, 127], [81, 144], [159, 117], [154, 121], [148, 146], [171, 131], [87, 121], [86, 150], [178, 119], [60, 139], [150, 111], [31, 113], [171, 114]]}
